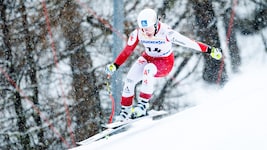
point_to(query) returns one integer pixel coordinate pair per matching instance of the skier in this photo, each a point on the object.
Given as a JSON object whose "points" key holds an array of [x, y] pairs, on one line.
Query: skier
{"points": [[157, 60]]}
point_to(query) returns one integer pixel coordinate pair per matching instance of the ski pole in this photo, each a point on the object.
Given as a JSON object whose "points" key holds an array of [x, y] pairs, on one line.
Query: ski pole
{"points": [[112, 100]]}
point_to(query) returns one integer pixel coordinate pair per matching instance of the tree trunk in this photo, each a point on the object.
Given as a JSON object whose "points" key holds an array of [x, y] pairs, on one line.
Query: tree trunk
{"points": [[88, 110], [214, 71], [32, 73], [21, 119], [24, 138]]}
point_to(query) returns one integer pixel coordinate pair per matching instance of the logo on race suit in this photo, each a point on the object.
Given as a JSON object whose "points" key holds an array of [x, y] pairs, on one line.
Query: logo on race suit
{"points": [[146, 72], [153, 42], [141, 60], [133, 37], [126, 90], [145, 81], [144, 23], [129, 80]]}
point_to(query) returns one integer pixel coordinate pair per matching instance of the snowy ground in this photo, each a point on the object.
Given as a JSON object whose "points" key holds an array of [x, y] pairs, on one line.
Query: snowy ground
{"points": [[232, 119]]}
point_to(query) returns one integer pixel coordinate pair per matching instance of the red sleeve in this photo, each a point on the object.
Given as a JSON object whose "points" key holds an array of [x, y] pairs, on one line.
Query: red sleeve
{"points": [[203, 47], [125, 53]]}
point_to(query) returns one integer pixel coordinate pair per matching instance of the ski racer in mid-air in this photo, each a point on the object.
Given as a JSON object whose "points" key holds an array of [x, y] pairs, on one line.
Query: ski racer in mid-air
{"points": [[157, 60]]}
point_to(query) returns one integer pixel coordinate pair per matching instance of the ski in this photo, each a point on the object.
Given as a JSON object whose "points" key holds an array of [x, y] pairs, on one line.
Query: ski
{"points": [[151, 114], [114, 127]]}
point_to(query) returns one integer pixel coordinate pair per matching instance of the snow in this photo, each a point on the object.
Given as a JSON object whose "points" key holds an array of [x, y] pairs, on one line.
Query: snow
{"points": [[233, 118]]}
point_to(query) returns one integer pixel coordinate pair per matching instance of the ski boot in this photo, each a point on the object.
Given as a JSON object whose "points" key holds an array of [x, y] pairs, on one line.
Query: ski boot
{"points": [[125, 113], [141, 109]]}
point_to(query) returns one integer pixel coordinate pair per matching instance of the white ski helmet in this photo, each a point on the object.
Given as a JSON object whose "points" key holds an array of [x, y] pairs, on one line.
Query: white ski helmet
{"points": [[147, 18]]}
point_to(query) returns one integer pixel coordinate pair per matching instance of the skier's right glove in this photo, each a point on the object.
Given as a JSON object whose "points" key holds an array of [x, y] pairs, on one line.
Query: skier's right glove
{"points": [[111, 68], [215, 53]]}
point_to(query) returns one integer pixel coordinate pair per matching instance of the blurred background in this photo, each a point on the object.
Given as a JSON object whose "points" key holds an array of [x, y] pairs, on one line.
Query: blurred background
{"points": [[53, 88]]}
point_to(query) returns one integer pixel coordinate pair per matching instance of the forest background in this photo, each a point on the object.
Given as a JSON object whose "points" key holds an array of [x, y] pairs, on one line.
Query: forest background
{"points": [[53, 88]]}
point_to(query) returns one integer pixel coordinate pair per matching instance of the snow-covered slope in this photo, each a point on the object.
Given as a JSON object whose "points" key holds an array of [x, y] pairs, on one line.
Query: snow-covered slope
{"points": [[233, 119]]}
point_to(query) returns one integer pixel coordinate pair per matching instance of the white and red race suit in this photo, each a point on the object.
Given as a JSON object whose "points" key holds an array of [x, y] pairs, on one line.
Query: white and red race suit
{"points": [[156, 61]]}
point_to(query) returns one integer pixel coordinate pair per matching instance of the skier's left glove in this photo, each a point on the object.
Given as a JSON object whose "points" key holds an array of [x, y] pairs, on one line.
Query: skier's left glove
{"points": [[215, 53], [111, 68]]}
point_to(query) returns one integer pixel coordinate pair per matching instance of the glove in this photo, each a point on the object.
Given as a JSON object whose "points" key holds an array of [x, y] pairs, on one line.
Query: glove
{"points": [[111, 68], [216, 53]]}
